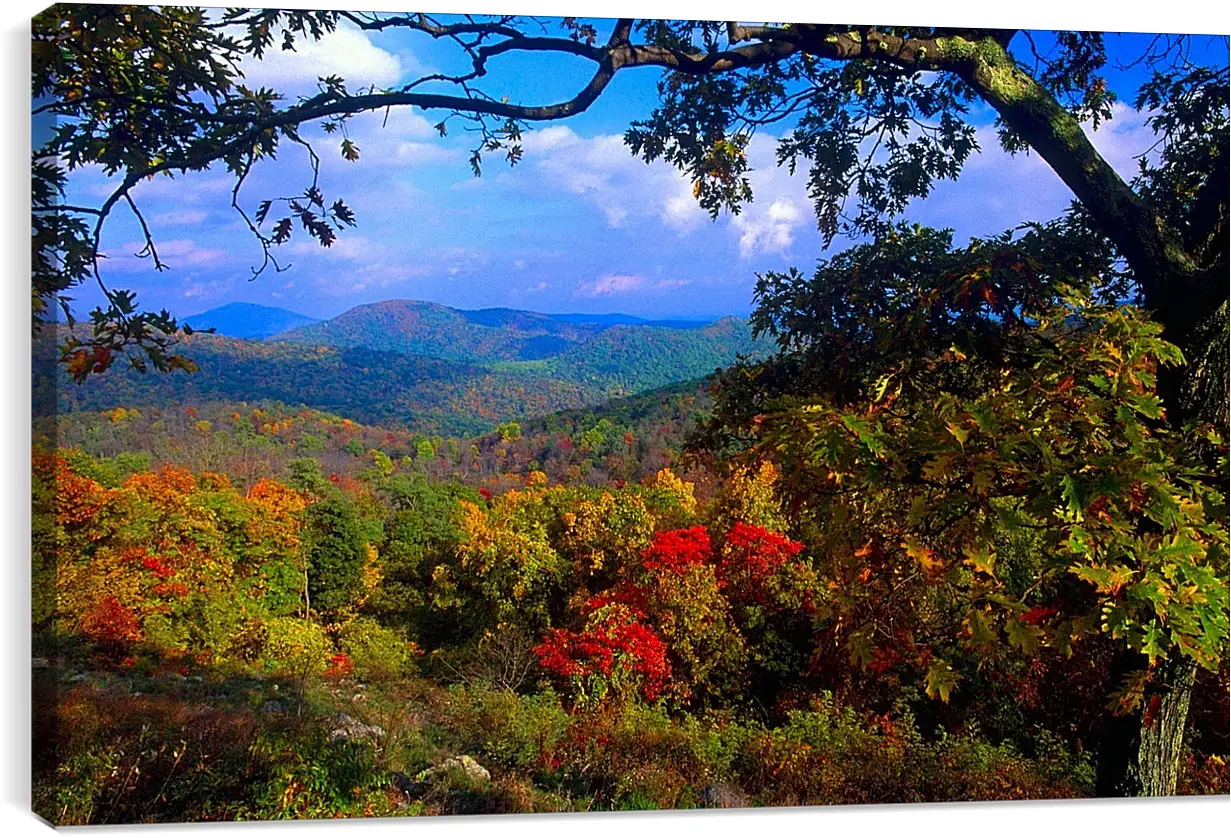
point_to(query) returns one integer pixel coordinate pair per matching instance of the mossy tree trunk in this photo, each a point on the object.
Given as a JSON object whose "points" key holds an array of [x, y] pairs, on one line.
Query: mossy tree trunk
{"points": [[1140, 753]]}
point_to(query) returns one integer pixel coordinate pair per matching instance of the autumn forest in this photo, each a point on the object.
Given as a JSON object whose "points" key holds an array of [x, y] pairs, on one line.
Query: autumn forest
{"points": [[944, 518]]}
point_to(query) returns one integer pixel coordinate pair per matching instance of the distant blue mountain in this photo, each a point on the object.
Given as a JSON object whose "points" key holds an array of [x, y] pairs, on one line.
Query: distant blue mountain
{"points": [[629, 320], [248, 320]]}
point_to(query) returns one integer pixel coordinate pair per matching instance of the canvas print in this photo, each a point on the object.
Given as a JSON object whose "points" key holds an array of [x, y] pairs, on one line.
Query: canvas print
{"points": [[447, 414]]}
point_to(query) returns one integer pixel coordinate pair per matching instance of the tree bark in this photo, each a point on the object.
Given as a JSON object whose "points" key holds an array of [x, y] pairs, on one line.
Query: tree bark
{"points": [[1140, 753]]}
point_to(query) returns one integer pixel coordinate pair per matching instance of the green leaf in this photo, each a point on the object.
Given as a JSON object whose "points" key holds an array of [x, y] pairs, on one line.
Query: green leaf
{"points": [[959, 433], [866, 433], [940, 680], [861, 648], [1154, 643], [1023, 635], [981, 558], [982, 630], [1080, 542], [1070, 491]]}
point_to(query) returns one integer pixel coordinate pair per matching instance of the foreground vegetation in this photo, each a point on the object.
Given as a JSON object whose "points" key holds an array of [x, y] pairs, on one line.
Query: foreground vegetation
{"points": [[325, 646], [946, 544]]}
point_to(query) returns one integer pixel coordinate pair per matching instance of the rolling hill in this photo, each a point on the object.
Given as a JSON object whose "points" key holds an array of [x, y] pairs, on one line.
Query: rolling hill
{"points": [[421, 328], [425, 367], [247, 320], [632, 359], [427, 394]]}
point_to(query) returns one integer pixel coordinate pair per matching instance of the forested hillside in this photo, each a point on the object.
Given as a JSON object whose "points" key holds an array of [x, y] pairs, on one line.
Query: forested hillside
{"points": [[421, 392], [420, 328], [369, 385], [625, 440], [631, 359]]}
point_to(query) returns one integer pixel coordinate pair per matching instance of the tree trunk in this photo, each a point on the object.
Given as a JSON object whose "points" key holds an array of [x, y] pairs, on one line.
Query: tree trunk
{"points": [[1140, 753]]}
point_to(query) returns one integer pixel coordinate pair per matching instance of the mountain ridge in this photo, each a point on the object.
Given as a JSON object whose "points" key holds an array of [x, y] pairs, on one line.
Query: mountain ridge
{"points": [[417, 390], [251, 321], [486, 335]]}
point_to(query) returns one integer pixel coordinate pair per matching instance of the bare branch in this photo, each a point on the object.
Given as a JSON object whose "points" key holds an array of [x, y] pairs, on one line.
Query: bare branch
{"points": [[150, 250]]}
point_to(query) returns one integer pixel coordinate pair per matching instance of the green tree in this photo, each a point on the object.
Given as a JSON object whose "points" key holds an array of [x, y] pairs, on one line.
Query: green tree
{"points": [[305, 474], [930, 402], [420, 533], [509, 431], [334, 546]]}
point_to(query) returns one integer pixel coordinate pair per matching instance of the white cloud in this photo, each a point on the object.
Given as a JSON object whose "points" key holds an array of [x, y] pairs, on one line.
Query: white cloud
{"points": [[346, 52], [175, 253], [1123, 139], [206, 289], [368, 277], [183, 188], [619, 185], [623, 188], [779, 208], [349, 247], [768, 232], [402, 137], [178, 218], [681, 212], [997, 191], [609, 285]]}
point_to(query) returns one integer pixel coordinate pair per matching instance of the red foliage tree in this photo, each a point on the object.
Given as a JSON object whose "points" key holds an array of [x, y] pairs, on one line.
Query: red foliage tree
{"points": [[678, 550], [613, 653], [111, 624]]}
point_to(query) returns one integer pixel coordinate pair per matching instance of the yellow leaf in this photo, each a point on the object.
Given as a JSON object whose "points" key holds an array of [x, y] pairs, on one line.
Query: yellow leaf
{"points": [[927, 560]]}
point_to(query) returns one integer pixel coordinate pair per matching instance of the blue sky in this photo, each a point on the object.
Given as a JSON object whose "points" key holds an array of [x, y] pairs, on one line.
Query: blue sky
{"points": [[579, 225]]}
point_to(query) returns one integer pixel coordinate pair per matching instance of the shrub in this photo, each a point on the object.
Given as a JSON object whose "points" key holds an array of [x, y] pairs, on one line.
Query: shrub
{"points": [[509, 730], [614, 655], [835, 755], [629, 755], [308, 776], [376, 653], [296, 647]]}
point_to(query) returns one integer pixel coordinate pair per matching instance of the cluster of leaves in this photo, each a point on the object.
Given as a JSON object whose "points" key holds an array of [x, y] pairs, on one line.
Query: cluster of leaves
{"points": [[981, 401], [626, 607], [863, 127], [141, 92], [613, 655], [170, 564]]}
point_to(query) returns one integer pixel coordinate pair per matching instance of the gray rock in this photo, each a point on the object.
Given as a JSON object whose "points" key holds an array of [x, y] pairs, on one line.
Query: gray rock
{"points": [[272, 707], [723, 796], [466, 764], [345, 728]]}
